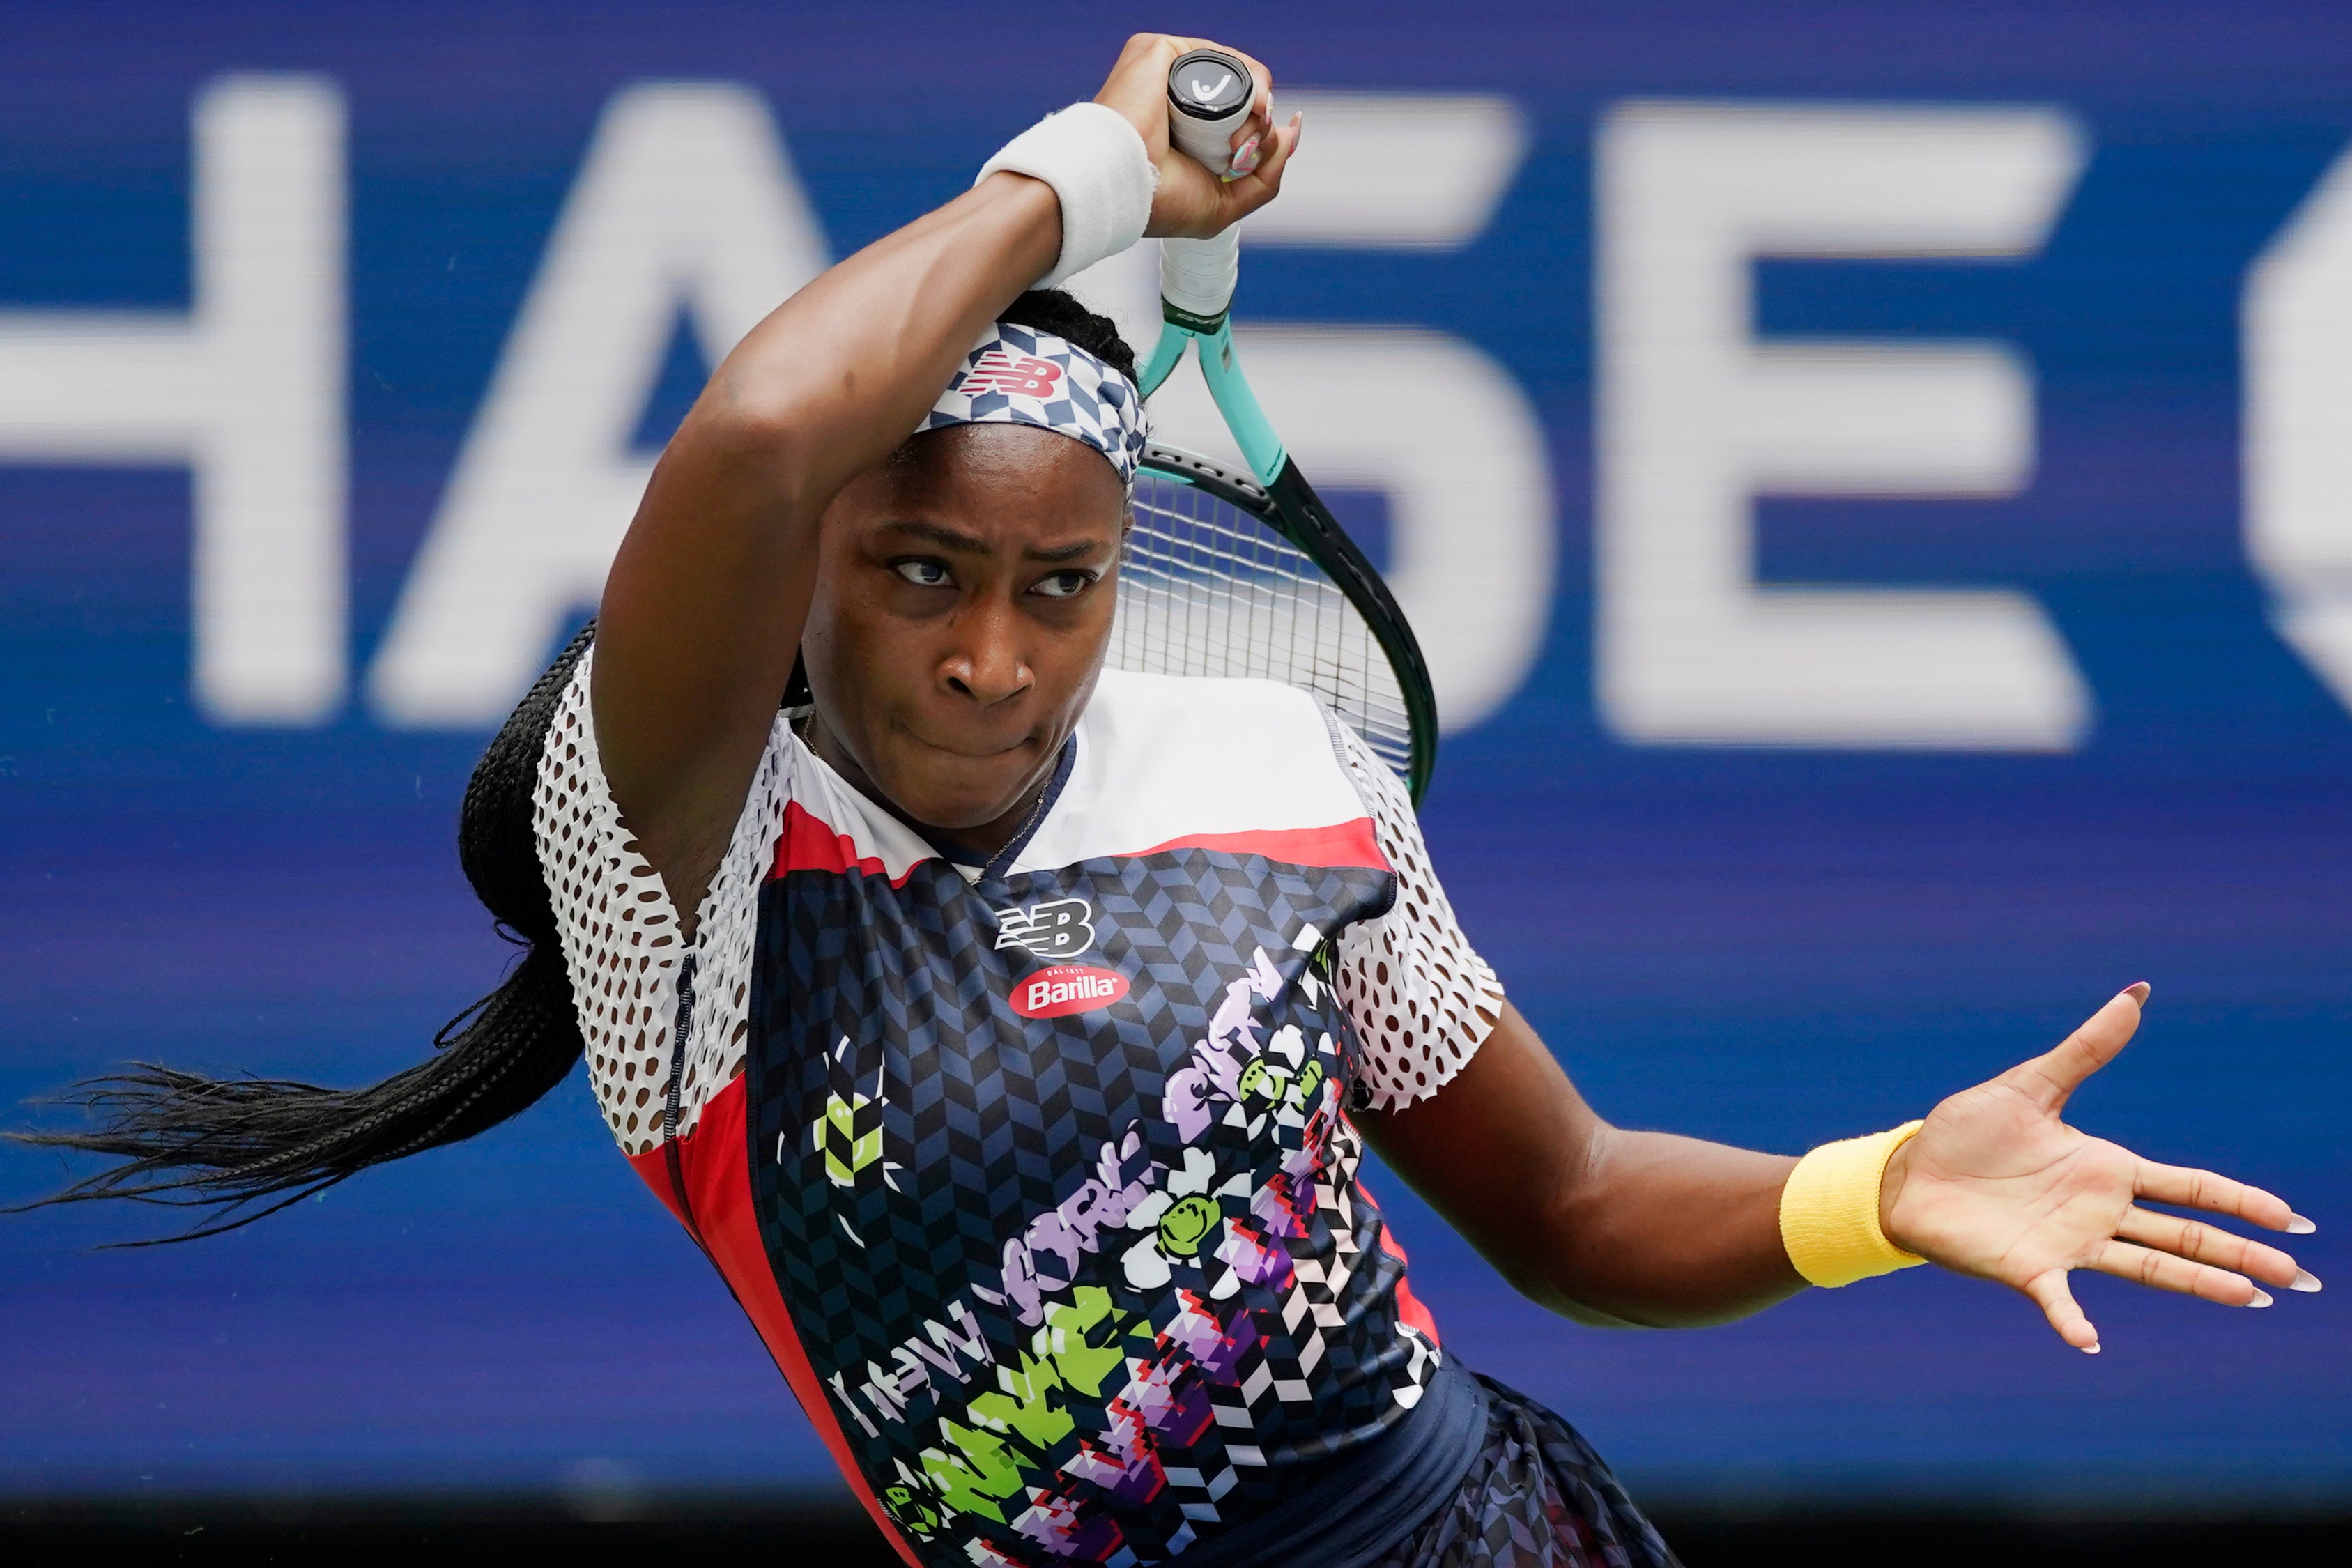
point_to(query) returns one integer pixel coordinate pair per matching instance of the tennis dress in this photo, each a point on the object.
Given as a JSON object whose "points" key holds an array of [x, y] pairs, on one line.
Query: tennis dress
{"points": [[1035, 1175]]}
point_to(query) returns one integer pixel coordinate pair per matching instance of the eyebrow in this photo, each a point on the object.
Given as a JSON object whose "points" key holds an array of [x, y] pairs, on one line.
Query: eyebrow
{"points": [[948, 539]]}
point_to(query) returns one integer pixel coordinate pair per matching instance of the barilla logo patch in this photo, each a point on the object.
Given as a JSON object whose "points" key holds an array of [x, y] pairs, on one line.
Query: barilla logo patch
{"points": [[1065, 988], [1023, 375]]}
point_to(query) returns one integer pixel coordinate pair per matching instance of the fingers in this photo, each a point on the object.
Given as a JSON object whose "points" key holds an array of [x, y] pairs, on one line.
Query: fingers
{"points": [[1251, 146], [2053, 1077], [1144, 64], [2162, 1271], [1261, 114], [1263, 183], [2048, 1292], [2192, 1189], [2202, 1243]]}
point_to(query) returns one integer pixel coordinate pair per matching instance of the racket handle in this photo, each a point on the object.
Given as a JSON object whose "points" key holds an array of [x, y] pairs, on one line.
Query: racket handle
{"points": [[1197, 277], [1209, 95]]}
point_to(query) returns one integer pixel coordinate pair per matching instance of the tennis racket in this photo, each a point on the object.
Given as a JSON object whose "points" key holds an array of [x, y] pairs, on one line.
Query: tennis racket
{"points": [[1249, 574]]}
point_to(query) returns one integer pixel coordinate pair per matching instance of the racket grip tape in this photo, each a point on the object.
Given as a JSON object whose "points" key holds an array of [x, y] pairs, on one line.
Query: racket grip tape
{"points": [[1209, 93]]}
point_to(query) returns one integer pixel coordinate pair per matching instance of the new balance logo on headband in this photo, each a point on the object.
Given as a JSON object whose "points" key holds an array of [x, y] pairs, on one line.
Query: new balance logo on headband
{"points": [[1016, 375], [1023, 375]]}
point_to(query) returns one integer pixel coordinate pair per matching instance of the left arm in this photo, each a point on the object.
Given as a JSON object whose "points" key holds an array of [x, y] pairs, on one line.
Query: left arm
{"points": [[1602, 1225], [1615, 1226]]}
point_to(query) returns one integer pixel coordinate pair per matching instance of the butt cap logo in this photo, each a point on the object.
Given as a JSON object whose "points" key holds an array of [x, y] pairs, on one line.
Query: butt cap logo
{"points": [[1061, 989]]}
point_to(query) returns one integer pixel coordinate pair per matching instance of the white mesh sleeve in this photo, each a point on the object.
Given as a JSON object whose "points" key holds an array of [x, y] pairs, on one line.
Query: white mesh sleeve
{"points": [[621, 940], [1422, 999]]}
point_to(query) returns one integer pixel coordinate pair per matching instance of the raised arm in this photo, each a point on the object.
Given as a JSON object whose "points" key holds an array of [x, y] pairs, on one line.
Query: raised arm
{"points": [[1617, 1226], [703, 611]]}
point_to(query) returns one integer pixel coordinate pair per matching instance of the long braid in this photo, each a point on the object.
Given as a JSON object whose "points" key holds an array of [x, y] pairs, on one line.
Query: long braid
{"points": [[247, 1147]]}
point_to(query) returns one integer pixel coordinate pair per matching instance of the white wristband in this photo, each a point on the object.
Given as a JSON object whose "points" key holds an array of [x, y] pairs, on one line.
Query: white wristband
{"points": [[1097, 164]]}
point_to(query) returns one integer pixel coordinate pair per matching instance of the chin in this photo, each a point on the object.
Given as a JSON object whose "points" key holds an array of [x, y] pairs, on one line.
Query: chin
{"points": [[975, 794]]}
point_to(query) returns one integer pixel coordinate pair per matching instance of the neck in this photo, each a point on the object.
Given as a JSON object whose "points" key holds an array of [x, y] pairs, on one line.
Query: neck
{"points": [[983, 838]]}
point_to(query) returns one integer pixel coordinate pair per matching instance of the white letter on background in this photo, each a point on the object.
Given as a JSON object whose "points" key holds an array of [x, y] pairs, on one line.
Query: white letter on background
{"points": [[686, 198], [2298, 436], [1427, 418], [247, 389], [1449, 436], [1695, 418]]}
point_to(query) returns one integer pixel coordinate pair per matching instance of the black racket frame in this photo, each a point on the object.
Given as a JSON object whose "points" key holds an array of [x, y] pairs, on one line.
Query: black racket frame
{"points": [[1291, 507]]}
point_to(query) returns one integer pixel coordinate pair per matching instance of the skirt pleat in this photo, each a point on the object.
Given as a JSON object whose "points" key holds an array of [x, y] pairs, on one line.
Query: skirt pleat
{"points": [[1536, 1497]]}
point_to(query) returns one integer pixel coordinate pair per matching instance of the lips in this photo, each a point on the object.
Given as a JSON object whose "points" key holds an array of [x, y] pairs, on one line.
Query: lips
{"points": [[965, 755]]}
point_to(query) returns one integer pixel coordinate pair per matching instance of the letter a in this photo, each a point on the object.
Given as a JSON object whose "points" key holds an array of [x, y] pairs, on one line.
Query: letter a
{"points": [[687, 198]]}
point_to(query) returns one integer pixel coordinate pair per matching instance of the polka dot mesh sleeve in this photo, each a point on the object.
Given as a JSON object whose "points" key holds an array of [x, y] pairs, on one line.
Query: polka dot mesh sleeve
{"points": [[1422, 999], [621, 937]]}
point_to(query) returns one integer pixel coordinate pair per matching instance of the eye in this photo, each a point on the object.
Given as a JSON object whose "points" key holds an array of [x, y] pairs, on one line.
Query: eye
{"points": [[924, 571], [1067, 584]]}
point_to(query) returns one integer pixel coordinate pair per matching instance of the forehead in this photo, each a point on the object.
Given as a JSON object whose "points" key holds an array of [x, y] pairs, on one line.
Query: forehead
{"points": [[1000, 480]]}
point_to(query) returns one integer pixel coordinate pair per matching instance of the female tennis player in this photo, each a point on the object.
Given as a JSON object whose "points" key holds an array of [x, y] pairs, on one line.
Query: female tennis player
{"points": [[1007, 1031]]}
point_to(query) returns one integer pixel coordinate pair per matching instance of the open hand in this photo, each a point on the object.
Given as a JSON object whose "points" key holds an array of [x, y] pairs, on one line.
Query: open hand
{"points": [[1995, 1185], [1192, 203]]}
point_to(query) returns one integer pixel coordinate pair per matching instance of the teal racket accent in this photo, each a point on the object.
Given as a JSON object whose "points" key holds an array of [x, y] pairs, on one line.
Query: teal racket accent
{"points": [[1251, 575]]}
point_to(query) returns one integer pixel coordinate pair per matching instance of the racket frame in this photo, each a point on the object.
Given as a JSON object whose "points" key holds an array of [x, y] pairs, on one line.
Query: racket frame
{"points": [[1289, 504]]}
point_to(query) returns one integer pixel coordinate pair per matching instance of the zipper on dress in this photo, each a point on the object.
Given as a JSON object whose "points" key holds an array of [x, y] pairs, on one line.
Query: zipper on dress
{"points": [[681, 1039]]}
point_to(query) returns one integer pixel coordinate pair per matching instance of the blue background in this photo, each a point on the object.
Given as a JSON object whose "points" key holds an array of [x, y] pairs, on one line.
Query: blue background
{"points": [[1766, 947]]}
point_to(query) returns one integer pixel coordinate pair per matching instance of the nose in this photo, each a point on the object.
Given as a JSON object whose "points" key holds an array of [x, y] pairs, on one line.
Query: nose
{"points": [[986, 663]]}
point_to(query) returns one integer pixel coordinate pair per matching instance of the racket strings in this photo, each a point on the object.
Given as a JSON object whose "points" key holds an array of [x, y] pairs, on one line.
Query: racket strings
{"points": [[1209, 589]]}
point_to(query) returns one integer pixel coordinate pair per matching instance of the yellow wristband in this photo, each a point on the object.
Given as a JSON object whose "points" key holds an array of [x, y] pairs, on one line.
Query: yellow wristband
{"points": [[1829, 1211]]}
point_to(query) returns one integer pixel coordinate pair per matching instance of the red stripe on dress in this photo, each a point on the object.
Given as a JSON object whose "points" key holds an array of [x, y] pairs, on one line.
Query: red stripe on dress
{"points": [[1355, 843], [808, 844], [1409, 1307], [719, 1184]]}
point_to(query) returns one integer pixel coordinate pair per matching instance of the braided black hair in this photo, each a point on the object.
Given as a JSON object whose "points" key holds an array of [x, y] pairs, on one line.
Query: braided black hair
{"points": [[1052, 311], [235, 1144], [247, 1147]]}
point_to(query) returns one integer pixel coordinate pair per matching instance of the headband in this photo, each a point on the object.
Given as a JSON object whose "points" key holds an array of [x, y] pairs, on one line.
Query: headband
{"points": [[1019, 375]]}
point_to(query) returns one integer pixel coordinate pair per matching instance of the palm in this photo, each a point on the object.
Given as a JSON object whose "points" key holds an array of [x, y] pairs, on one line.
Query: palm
{"points": [[1997, 1185]]}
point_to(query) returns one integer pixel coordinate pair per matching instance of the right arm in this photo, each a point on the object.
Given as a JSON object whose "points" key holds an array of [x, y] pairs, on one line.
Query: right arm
{"points": [[702, 613]]}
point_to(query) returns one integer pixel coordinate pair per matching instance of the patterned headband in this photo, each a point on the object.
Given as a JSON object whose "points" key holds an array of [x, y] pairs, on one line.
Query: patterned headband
{"points": [[1019, 375]]}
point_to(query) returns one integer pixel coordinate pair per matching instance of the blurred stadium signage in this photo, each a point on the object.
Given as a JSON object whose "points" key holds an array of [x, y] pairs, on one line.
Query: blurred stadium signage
{"points": [[687, 201]]}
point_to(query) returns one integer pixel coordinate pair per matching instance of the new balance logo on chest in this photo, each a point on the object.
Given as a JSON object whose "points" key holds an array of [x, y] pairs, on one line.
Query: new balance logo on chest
{"points": [[1058, 928]]}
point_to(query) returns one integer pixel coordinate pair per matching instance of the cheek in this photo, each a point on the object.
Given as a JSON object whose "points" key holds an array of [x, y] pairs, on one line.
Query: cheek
{"points": [[849, 663]]}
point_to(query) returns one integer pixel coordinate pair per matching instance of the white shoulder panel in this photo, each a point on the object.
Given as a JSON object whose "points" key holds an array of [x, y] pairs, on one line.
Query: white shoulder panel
{"points": [[1166, 758]]}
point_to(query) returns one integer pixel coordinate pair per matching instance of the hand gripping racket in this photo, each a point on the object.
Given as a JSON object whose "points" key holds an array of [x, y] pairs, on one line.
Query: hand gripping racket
{"points": [[1249, 574]]}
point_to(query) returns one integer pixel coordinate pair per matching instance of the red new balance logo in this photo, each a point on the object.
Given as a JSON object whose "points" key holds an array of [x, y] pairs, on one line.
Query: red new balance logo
{"points": [[1009, 373]]}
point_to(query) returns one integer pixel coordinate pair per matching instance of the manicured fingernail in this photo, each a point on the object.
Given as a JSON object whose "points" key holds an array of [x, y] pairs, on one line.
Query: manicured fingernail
{"points": [[2262, 1298], [2298, 1226], [1245, 158], [2138, 991], [2304, 1281]]}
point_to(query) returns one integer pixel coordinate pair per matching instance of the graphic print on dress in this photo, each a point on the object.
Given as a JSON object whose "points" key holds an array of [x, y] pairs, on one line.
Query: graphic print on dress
{"points": [[1104, 1284]]}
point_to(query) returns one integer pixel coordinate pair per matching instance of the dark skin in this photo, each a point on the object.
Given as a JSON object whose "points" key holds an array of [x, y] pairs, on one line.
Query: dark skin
{"points": [[954, 597], [1598, 1224], [965, 599]]}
